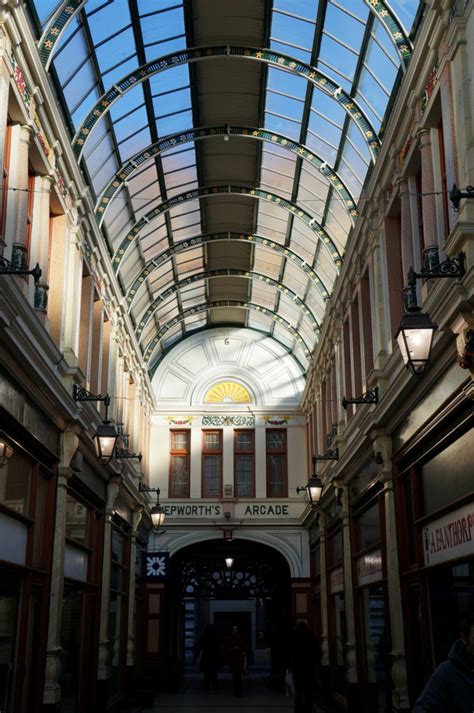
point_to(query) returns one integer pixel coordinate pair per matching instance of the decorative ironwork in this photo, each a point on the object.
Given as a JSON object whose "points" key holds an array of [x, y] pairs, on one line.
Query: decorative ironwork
{"points": [[136, 162], [79, 393], [203, 192], [56, 27], [209, 579], [228, 420], [197, 309], [394, 28], [209, 274], [10, 268], [125, 454], [456, 195], [453, 267], [331, 454], [368, 397], [185, 56]]}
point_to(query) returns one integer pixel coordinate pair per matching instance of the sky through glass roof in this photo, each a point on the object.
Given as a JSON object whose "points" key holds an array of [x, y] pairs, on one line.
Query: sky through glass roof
{"points": [[291, 181]]}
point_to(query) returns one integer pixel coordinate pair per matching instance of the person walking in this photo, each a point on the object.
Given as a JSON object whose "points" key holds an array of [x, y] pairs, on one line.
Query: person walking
{"points": [[208, 656], [451, 686], [236, 655], [303, 653]]}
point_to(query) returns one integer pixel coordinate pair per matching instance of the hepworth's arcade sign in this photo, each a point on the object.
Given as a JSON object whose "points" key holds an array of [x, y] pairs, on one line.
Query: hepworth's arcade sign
{"points": [[239, 510]]}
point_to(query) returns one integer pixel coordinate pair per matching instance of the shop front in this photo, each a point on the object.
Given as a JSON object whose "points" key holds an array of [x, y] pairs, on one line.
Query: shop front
{"points": [[27, 482], [435, 486], [372, 611]]}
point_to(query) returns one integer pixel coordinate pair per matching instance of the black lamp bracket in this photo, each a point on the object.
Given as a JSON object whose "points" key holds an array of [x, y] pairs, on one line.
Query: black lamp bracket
{"points": [[331, 454], [456, 195], [79, 393], [9, 268], [124, 453], [146, 489], [368, 397], [451, 267]]}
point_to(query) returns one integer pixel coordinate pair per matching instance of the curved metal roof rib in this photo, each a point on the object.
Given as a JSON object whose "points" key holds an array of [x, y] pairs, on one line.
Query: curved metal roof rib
{"points": [[226, 146], [169, 142], [209, 192], [196, 54]]}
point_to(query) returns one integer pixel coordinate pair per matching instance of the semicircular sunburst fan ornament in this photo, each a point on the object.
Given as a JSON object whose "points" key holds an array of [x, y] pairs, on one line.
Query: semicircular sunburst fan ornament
{"points": [[227, 392]]}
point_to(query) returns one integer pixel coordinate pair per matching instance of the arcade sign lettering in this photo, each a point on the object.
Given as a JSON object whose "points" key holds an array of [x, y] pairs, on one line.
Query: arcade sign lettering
{"points": [[202, 510], [449, 537]]}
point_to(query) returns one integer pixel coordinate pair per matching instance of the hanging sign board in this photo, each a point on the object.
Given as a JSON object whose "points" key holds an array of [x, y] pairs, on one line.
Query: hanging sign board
{"points": [[369, 568], [157, 566], [449, 537]]}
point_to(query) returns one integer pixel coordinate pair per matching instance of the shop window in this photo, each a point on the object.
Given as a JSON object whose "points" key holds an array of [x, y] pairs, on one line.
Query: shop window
{"points": [[71, 646], [211, 464], [15, 482], [244, 464], [76, 520], [368, 528], [118, 604], [456, 461], [364, 477], [277, 484], [335, 549], [179, 464], [9, 603]]}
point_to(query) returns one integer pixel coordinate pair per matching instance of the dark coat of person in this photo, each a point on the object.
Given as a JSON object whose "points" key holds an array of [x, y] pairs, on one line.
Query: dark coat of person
{"points": [[209, 650], [303, 654], [451, 686]]}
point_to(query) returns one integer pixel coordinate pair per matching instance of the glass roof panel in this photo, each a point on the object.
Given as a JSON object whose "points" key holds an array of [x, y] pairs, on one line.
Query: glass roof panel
{"points": [[108, 19], [405, 10], [101, 45], [347, 27]]}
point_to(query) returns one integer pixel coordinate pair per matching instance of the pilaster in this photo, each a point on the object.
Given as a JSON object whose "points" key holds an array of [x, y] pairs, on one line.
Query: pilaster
{"points": [[17, 200], [52, 690], [136, 519], [104, 667], [351, 659], [428, 199], [383, 447]]}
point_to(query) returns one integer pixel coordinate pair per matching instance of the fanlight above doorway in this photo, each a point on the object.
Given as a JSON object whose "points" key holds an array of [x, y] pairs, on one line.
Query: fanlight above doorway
{"points": [[228, 392]]}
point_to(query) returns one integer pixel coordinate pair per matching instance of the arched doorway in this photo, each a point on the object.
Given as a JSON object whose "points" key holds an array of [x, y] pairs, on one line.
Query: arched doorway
{"points": [[253, 593]]}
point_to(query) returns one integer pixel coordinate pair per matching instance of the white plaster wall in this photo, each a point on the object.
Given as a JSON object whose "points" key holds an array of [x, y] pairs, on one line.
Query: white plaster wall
{"points": [[271, 375]]}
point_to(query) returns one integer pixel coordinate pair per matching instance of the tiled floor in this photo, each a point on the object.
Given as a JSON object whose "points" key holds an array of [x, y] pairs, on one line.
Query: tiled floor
{"points": [[257, 698]]}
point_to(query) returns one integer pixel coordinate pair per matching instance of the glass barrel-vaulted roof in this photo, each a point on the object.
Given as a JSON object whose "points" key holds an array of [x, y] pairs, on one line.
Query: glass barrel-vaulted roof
{"points": [[226, 145]]}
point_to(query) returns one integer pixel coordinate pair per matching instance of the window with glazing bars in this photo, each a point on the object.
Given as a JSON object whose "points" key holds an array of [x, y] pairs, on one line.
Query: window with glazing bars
{"points": [[179, 463], [211, 464], [244, 464], [277, 484]]}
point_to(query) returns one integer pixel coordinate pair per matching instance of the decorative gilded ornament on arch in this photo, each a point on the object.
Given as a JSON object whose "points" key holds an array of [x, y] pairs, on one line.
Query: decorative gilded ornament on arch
{"points": [[227, 392]]}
